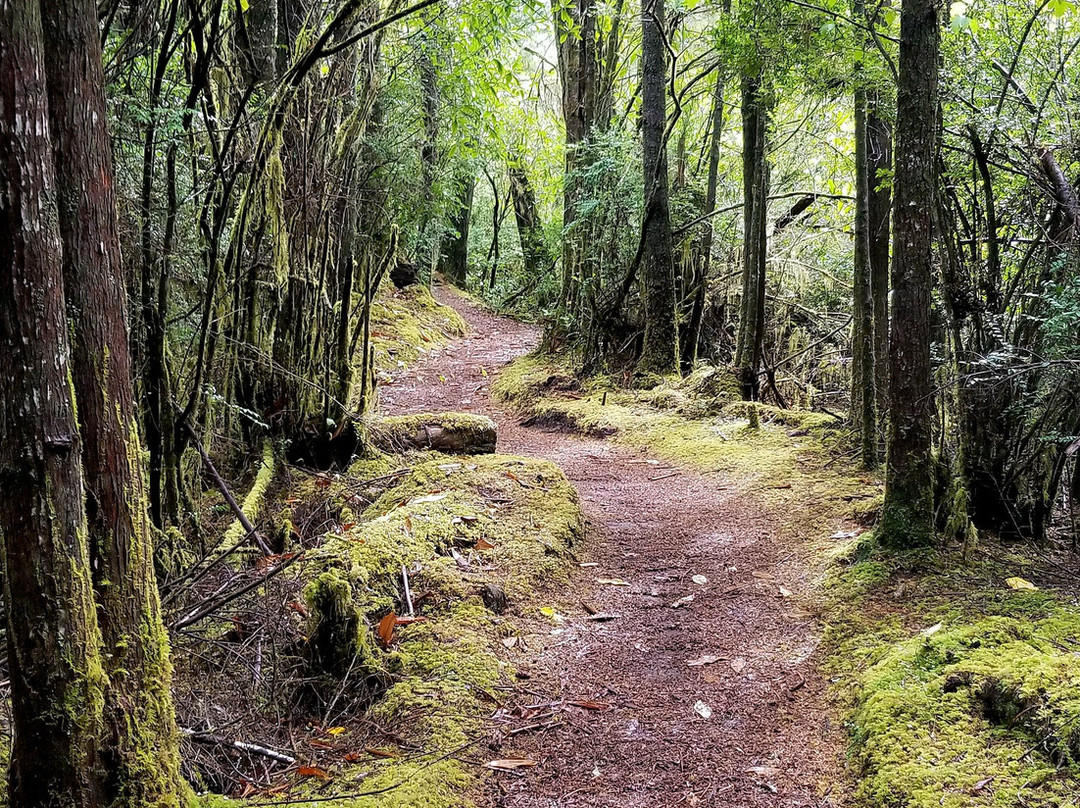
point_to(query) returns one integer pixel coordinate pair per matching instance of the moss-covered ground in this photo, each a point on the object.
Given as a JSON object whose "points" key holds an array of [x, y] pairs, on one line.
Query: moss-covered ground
{"points": [[476, 537], [958, 680], [406, 324]]}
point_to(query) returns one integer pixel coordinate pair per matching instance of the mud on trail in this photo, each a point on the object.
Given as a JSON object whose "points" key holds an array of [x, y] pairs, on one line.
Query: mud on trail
{"points": [[748, 725]]}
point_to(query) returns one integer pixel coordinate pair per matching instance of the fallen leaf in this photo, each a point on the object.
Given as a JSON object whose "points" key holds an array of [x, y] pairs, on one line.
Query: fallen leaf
{"points": [[983, 785], [510, 764], [335, 730], [686, 601], [703, 709], [1020, 583], [509, 642], [406, 621], [785, 592], [704, 659], [484, 544], [353, 757], [844, 534], [386, 629], [700, 580], [586, 564], [313, 771], [934, 629], [613, 581], [765, 771], [738, 665], [762, 576]]}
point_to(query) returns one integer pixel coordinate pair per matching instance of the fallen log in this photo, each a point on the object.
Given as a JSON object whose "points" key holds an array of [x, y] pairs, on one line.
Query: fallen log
{"points": [[450, 433]]}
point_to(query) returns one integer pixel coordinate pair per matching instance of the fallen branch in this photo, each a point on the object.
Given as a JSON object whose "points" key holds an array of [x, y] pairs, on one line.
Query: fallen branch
{"points": [[216, 740]]}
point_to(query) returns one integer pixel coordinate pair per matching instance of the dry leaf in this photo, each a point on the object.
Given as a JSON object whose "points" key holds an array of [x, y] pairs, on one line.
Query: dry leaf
{"points": [[509, 642], [934, 629], [510, 764], [703, 709], [785, 592], [427, 498], [762, 576], [613, 581], [335, 730], [700, 580], [686, 601], [586, 564], [1020, 583], [313, 771], [738, 665], [376, 751], [705, 659], [484, 544], [386, 628]]}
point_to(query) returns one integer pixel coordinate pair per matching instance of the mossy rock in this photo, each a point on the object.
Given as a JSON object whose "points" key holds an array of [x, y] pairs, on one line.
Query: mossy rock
{"points": [[718, 386]]}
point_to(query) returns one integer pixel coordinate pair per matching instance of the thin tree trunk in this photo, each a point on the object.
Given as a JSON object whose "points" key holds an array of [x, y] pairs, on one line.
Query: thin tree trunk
{"points": [[863, 409], [660, 351], [751, 334], [53, 641], [701, 282], [527, 214], [879, 158], [141, 748], [455, 258], [907, 518]]}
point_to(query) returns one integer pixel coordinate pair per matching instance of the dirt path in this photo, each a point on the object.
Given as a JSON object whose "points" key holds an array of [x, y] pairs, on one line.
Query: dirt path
{"points": [[768, 740]]}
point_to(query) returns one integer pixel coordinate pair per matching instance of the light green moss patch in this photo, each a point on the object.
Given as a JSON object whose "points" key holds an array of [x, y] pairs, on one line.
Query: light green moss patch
{"points": [[408, 322]]}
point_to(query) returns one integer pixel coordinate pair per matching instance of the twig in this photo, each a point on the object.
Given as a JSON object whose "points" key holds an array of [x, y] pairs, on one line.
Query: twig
{"points": [[198, 614], [408, 591], [216, 740]]}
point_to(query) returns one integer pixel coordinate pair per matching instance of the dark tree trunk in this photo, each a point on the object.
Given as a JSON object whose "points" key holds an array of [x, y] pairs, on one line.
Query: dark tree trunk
{"points": [[455, 258], [750, 345], [660, 351], [863, 404], [701, 281], [53, 642], [140, 750], [527, 213], [907, 518], [879, 158]]}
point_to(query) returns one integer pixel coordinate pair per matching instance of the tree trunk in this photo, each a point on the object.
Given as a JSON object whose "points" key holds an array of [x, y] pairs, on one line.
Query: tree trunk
{"points": [[879, 157], [751, 335], [527, 213], [660, 351], [455, 258], [863, 409], [701, 282], [53, 642], [140, 750], [907, 518]]}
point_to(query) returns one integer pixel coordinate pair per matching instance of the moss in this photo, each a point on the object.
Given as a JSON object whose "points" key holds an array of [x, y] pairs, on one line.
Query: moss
{"points": [[458, 432], [253, 502]]}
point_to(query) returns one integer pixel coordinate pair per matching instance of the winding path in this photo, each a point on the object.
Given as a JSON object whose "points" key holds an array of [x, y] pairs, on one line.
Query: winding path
{"points": [[767, 739]]}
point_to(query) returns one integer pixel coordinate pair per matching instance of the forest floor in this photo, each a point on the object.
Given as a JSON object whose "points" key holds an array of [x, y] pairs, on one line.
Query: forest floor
{"points": [[711, 700]]}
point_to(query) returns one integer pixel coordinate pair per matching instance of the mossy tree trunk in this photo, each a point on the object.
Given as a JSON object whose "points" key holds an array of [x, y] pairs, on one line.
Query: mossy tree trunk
{"points": [[53, 641], [908, 514], [141, 748], [527, 214], [660, 350], [455, 256]]}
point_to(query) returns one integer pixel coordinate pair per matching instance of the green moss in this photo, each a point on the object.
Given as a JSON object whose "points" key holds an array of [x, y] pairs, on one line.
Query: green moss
{"points": [[253, 502], [407, 323]]}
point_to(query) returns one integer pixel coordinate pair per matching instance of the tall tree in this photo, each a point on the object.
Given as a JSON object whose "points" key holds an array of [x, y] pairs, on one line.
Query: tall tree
{"points": [[879, 158], [140, 751], [660, 352], [53, 639], [908, 514]]}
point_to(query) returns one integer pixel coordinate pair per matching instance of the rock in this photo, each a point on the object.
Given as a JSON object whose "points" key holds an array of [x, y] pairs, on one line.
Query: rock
{"points": [[494, 597], [404, 273]]}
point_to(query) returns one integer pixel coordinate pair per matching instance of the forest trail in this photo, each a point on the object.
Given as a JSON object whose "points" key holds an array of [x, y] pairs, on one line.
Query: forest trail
{"points": [[768, 739]]}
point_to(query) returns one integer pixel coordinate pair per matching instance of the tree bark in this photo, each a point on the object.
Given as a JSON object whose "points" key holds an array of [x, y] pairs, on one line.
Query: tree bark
{"points": [[863, 404], [53, 641], [140, 750], [907, 518], [879, 157], [527, 214], [751, 336], [455, 258], [660, 351], [701, 281]]}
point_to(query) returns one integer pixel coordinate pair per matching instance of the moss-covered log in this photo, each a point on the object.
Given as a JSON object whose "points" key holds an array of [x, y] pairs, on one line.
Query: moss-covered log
{"points": [[452, 433]]}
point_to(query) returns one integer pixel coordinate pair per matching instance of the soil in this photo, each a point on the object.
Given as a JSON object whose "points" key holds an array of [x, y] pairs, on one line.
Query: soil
{"points": [[751, 728]]}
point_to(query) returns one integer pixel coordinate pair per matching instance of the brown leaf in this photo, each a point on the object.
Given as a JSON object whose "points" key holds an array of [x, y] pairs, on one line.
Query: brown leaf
{"points": [[353, 757], [484, 544], [704, 659], [313, 771], [407, 621], [386, 628], [613, 581]]}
